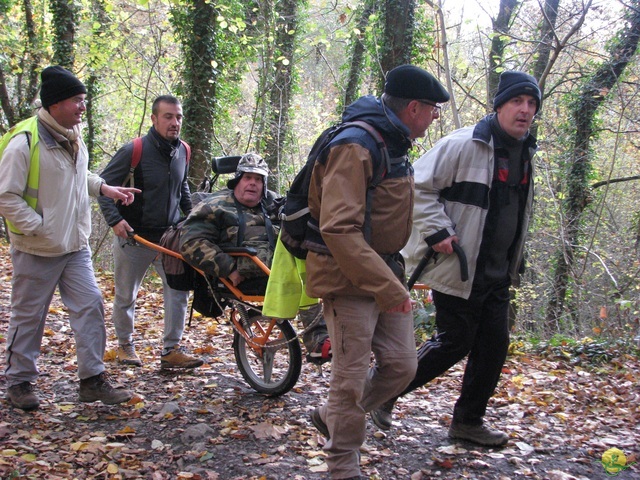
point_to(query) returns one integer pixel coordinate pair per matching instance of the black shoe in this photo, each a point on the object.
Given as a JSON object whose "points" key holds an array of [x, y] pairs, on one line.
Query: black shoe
{"points": [[99, 388], [382, 416], [319, 424], [22, 396], [478, 434]]}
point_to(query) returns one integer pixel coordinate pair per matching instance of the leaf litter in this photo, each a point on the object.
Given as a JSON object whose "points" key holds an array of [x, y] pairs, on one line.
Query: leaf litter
{"points": [[208, 424]]}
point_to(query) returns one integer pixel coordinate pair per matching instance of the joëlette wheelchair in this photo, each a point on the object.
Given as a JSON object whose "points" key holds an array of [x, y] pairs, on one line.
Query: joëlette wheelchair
{"points": [[267, 350]]}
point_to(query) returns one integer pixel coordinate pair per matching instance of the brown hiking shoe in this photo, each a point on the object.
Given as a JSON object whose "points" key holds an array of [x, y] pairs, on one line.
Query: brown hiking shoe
{"points": [[382, 416], [478, 434], [22, 396], [99, 388], [127, 355], [178, 358], [317, 421]]}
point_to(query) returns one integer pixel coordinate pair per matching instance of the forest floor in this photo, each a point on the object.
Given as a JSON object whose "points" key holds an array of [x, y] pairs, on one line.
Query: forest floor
{"points": [[563, 408]]}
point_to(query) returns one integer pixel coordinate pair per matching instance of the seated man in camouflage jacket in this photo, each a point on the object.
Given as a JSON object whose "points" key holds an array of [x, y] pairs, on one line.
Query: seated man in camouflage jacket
{"points": [[243, 215]]}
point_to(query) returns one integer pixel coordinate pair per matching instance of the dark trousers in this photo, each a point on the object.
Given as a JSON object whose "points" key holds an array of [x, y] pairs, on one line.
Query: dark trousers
{"points": [[477, 327]]}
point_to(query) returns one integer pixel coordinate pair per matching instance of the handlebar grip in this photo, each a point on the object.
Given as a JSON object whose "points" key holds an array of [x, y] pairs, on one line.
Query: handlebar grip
{"points": [[429, 254], [462, 258]]}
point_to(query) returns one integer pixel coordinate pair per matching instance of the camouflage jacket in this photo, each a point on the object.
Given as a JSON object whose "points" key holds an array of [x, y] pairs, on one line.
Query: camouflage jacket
{"points": [[214, 223]]}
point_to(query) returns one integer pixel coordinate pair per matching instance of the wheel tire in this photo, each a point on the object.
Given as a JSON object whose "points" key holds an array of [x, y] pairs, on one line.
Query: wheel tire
{"points": [[277, 370]]}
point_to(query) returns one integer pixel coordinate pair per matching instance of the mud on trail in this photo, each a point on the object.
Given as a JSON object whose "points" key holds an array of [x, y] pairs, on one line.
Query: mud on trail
{"points": [[562, 415]]}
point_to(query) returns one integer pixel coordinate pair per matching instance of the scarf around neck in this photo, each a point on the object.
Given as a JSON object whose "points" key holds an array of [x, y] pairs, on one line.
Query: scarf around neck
{"points": [[164, 146], [62, 134]]}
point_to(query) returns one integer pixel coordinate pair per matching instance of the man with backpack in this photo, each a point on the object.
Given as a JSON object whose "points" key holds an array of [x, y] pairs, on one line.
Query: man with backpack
{"points": [[244, 215], [49, 226], [160, 172], [354, 263]]}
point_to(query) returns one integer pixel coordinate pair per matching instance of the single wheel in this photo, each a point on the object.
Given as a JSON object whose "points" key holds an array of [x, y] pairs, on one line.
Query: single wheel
{"points": [[271, 359]]}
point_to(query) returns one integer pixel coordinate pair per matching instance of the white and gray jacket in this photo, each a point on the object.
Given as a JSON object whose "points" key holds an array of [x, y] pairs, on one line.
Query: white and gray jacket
{"points": [[452, 182], [62, 223]]}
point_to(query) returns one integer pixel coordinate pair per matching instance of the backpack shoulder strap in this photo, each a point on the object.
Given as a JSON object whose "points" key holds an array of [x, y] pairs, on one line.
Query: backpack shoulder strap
{"points": [[381, 170], [187, 147], [135, 160], [137, 153], [385, 165]]}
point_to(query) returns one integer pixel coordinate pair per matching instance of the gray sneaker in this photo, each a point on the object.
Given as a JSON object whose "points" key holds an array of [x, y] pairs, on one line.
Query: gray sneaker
{"points": [[382, 415], [479, 434], [22, 396], [99, 388]]}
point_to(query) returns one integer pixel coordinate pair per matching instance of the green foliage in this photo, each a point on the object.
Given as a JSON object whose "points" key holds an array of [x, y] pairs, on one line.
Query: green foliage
{"points": [[587, 351], [64, 22], [425, 37], [5, 5]]}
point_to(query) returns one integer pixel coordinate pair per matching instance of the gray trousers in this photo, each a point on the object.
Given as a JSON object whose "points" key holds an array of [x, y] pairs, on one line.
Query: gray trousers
{"points": [[33, 284], [131, 265], [357, 327]]}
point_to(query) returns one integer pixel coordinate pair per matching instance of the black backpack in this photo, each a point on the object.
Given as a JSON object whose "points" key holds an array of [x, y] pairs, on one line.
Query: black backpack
{"points": [[299, 232]]}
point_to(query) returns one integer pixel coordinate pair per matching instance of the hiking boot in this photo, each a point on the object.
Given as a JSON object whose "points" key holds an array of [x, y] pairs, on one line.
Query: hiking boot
{"points": [[321, 353], [478, 434], [316, 419], [99, 388], [22, 396], [177, 358], [382, 416], [127, 355]]}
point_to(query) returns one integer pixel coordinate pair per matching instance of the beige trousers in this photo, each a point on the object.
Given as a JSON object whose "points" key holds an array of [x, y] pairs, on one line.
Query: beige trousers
{"points": [[357, 327]]}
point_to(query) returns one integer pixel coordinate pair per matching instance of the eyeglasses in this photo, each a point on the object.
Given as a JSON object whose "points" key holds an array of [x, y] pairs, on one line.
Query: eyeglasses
{"points": [[436, 106], [80, 101]]}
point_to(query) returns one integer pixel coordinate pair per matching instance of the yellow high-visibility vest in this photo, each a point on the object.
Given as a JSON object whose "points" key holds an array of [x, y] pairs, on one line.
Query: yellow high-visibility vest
{"points": [[29, 127]]}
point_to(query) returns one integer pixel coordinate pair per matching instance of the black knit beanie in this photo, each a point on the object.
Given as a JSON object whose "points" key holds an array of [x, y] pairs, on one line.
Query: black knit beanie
{"points": [[514, 83], [58, 84], [409, 81]]}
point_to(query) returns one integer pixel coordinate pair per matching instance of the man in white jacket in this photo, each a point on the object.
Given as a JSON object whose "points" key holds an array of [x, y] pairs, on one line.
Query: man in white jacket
{"points": [[474, 188], [44, 196]]}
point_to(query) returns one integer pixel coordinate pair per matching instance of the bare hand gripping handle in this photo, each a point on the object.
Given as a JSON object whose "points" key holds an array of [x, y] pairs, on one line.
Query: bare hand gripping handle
{"points": [[431, 253]]}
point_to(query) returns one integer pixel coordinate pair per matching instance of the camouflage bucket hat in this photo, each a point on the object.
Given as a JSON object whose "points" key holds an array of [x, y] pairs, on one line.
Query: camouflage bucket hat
{"points": [[251, 163]]}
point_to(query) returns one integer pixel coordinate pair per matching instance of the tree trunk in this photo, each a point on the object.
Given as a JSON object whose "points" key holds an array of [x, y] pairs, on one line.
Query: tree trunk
{"points": [[64, 27], [579, 162], [358, 50], [93, 83], [278, 120], [501, 27], [196, 26], [445, 61], [397, 43], [25, 83], [544, 48]]}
